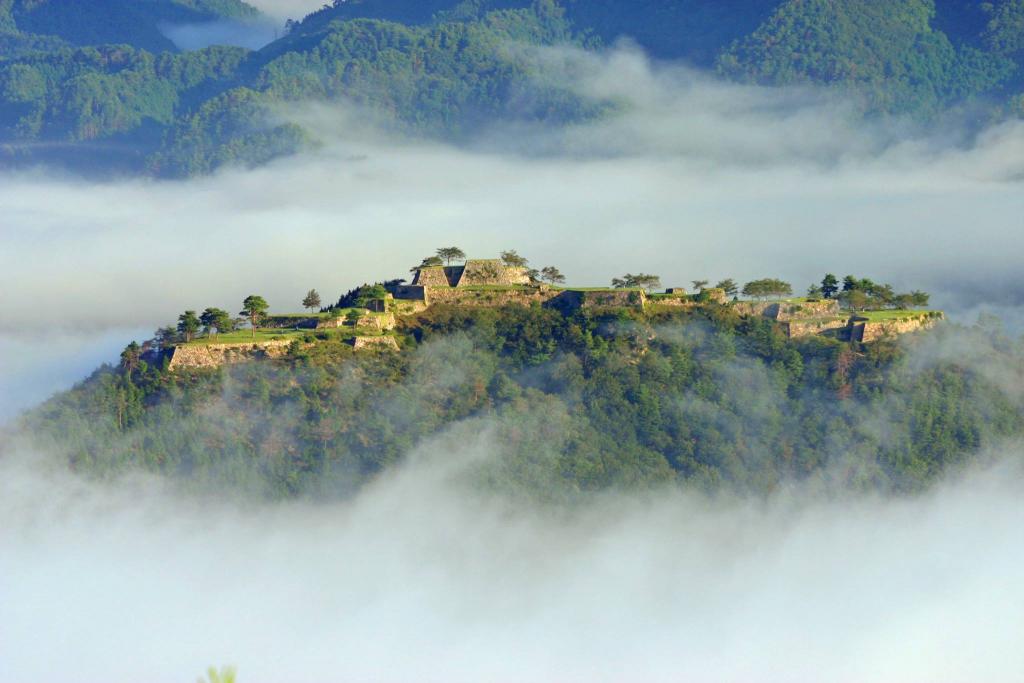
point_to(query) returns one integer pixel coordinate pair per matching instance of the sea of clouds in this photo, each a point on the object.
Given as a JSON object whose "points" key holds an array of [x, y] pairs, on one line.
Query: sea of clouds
{"points": [[419, 576], [422, 578]]}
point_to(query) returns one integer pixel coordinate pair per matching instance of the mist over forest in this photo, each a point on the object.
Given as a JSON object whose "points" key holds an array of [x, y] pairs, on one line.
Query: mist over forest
{"points": [[515, 492]]}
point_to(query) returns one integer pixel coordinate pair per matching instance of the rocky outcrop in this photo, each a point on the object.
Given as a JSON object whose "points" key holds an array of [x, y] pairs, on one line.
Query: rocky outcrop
{"points": [[215, 355], [368, 343]]}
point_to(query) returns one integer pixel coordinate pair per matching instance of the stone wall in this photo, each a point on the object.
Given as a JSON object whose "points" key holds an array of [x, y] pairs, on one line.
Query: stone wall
{"points": [[786, 310], [377, 321], [808, 328], [215, 355], [487, 297], [369, 320], [288, 322], [433, 276], [410, 292], [491, 272], [365, 343], [714, 294], [866, 331], [573, 299], [474, 272], [408, 306], [671, 302]]}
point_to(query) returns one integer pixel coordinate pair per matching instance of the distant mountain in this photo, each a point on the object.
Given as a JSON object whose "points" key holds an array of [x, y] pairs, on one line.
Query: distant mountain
{"points": [[131, 22], [443, 67]]}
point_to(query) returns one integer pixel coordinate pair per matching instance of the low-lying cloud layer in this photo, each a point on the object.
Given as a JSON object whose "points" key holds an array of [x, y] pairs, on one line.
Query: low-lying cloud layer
{"points": [[249, 34], [420, 579], [287, 9]]}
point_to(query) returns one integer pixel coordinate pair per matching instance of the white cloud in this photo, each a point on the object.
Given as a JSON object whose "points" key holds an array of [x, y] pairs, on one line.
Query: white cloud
{"points": [[287, 9], [419, 579]]}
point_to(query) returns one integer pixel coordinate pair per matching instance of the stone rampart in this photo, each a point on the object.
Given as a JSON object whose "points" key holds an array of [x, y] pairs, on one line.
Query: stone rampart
{"points": [[489, 297], [366, 343], [789, 310], [215, 355], [807, 328], [573, 299], [491, 272], [290, 322], [671, 302], [434, 276], [869, 331]]}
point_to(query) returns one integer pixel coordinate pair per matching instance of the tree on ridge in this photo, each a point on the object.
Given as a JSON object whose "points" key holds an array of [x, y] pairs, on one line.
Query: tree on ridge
{"points": [[188, 325], [450, 254], [312, 301], [253, 308]]}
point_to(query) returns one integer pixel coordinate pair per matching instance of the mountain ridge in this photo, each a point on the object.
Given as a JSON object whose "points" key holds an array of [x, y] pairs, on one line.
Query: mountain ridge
{"points": [[443, 69]]}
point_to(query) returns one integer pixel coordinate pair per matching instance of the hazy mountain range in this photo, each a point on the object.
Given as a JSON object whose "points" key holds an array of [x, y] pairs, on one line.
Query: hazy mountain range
{"points": [[105, 86]]}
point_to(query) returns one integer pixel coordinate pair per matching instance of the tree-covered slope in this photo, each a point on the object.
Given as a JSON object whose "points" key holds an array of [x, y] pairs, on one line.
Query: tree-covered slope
{"points": [[574, 403], [888, 51], [111, 102]]}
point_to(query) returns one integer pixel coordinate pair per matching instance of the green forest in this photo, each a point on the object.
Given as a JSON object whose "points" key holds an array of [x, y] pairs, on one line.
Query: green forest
{"points": [[97, 85], [574, 403]]}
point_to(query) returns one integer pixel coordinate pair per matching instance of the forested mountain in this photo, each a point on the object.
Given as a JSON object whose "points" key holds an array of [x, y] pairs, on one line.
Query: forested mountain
{"points": [[130, 22], [582, 402], [446, 67]]}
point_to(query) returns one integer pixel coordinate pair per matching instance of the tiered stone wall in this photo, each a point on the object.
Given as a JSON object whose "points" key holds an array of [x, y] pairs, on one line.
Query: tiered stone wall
{"points": [[215, 355]]}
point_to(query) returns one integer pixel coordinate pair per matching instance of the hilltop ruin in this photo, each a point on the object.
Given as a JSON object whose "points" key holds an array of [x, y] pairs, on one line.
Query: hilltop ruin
{"points": [[493, 283]]}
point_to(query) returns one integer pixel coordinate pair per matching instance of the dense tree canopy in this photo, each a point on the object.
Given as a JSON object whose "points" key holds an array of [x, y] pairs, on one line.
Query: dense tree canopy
{"points": [[574, 403]]}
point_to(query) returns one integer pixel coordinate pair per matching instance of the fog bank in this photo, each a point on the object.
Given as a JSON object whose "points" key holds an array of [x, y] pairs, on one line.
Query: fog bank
{"points": [[248, 34], [420, 579]]}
